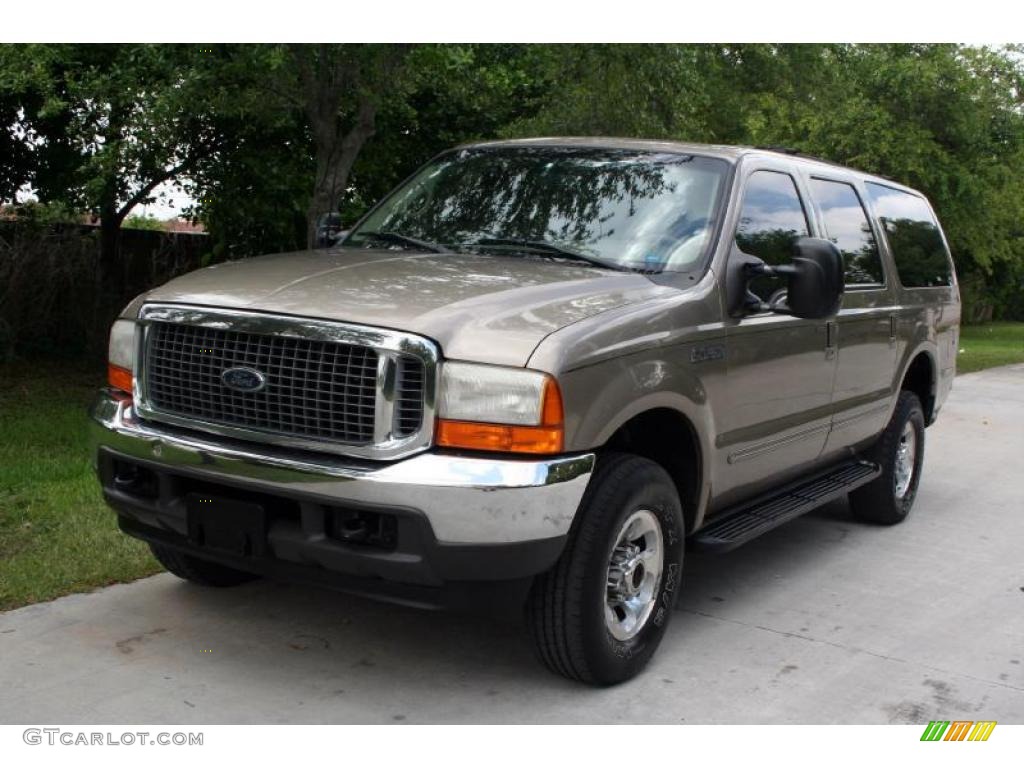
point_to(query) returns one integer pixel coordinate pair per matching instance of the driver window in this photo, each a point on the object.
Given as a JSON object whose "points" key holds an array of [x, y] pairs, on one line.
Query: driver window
{"points": [[772, 218]]}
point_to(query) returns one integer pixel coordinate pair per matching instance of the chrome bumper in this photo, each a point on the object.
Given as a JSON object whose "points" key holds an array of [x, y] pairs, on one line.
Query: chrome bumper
{"points": [[466, 500]]}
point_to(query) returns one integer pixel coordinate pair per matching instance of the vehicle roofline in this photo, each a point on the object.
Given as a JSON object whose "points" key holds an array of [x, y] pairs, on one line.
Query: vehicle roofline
{"points": [[730, 153]]}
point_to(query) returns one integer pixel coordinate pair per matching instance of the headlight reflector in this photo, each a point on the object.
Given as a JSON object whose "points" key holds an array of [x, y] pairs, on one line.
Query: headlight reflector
{"points": [[487, 393]]}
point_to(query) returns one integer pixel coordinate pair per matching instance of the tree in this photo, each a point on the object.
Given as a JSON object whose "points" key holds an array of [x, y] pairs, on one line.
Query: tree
{"points": [[339, 89], [945, 119], [256, 195], [268, 137], [108, 124], [16, 167]]}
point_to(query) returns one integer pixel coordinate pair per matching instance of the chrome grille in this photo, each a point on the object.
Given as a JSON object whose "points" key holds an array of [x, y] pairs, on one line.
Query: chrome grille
{"points": [[315, 389], [409, 396]]}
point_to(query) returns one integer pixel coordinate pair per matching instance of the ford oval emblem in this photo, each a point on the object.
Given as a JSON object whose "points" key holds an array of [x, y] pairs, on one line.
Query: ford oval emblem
{"points": [[244, 379]]}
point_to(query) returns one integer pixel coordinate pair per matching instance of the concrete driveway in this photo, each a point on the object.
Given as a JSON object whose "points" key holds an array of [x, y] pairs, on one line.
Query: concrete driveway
{"points": [[823, 621]]}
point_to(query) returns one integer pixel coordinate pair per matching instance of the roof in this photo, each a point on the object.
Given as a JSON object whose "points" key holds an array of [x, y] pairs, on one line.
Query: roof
{"points": [[602, 142], [732, 153]]}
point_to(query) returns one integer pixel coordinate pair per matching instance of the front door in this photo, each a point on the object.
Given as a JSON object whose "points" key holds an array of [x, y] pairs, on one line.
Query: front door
{"points": [[780, 369]]}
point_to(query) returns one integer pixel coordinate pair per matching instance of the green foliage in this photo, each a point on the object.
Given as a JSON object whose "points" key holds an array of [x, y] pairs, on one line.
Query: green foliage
{"points": [[106, 124], [940, 118], [455, 93], [944, 119], [143, 222], [92, 126], [34, 212]]}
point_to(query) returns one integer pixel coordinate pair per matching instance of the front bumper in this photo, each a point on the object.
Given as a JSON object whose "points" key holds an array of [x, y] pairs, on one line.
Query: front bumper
{"points": [[460, 518]]}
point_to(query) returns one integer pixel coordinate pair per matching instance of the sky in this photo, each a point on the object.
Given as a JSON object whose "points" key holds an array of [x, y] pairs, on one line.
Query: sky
{"points": [[171, 199]]}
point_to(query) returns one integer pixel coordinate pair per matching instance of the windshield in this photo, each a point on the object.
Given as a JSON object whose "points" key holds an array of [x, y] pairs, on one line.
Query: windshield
{"points": [[621, 208]]}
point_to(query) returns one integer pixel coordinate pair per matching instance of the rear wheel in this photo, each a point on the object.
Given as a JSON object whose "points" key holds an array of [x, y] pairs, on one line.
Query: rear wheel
{"points": [[202, 572], [900, 453], [600, 613]]}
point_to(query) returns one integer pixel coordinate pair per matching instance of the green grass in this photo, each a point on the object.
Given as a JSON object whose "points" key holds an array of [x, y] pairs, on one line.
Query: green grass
{"points": [[56, 534], [986, 346]]}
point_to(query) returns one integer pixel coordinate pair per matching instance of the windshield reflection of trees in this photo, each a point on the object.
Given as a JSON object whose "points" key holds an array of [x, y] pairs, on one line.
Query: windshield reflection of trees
{"points": [[576, 198]]}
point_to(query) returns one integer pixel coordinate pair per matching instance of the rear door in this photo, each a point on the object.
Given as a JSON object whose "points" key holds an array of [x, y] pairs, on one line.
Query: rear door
{"points": [[780, 368], [865, 328]]}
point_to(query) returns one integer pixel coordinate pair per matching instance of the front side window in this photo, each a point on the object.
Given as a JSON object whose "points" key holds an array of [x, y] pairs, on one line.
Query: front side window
{"points": [[625, 208], [847, 225], [772, 219], [922, 260]]}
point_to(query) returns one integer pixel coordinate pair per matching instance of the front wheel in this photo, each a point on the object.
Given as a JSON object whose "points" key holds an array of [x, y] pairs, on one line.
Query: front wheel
{"points": [[900, 453], [599, 614]]}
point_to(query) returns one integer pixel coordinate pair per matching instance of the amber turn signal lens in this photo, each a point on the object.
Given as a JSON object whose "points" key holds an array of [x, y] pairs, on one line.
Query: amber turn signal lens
{"points": [[498, 437], [548, 437], [119, 378]]}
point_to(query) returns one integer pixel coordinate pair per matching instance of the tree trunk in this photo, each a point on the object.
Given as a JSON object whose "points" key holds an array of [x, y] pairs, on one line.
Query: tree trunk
{"points": [[335, 155], [328, 76], [110, 287]]}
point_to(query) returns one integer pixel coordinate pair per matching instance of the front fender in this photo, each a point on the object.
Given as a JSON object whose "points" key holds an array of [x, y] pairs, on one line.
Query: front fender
{"points": [[600, 399]]}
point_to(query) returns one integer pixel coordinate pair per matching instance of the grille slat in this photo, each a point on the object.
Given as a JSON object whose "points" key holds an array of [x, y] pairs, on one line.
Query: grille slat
{"points": [[314, 389], [409, 399]]}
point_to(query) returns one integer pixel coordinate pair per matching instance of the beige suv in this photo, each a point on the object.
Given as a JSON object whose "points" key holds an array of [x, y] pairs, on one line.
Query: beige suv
{"points": [[535, 371]]}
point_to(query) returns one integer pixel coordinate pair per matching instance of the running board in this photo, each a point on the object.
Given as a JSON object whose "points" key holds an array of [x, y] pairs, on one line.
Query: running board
{"points": [[750, 519]]}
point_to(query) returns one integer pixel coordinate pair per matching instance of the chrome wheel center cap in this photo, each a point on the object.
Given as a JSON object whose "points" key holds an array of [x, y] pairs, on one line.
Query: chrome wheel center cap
{"points": [[626, 573], [634, 575]]}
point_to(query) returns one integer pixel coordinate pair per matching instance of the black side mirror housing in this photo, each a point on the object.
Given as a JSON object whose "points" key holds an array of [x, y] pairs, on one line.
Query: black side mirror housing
{"points": [[816, 286], [816, 281]]}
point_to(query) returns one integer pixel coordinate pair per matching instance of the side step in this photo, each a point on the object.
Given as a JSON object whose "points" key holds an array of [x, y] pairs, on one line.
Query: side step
{"points": [[748, 520]]}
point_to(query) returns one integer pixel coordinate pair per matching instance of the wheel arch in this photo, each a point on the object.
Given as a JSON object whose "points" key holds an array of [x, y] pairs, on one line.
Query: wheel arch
{"points": [[668, 437], [920, 376]]}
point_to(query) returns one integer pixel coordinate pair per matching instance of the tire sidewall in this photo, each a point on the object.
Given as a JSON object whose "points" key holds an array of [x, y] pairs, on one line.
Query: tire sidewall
{"points": [[913, 414]]}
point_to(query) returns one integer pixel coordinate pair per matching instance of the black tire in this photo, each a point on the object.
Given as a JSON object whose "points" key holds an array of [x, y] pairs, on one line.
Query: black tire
{"points": [[566, 608], [202, 572], [878, 501]]}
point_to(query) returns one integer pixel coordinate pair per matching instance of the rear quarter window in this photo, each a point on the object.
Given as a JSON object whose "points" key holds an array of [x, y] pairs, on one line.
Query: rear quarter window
{"points": [[915, 241], [846, 225]]}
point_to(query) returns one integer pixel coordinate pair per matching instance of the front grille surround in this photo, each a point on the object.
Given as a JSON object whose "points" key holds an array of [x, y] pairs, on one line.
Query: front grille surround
{"points": [[387, 412]]}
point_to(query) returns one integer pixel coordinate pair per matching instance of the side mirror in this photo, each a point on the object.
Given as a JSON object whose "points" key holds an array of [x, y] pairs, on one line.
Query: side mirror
{"points": [[328, 226], [816, 284], [815, 280]]}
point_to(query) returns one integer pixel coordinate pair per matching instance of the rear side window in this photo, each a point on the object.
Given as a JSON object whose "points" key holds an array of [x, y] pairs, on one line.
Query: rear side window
{"points": [[847, 225], [922, 260]]}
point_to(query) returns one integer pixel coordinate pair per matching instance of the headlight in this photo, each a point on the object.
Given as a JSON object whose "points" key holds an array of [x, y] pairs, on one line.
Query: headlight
{"points": [[485, 407], [121, 355]]}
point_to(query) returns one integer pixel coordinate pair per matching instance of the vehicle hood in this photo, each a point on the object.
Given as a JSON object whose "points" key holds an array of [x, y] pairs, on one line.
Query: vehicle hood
{"points": [[486, 308]]}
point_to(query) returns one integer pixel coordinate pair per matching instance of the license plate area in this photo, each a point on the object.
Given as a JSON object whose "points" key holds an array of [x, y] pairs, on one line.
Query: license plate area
{"points": [[226, 525]]}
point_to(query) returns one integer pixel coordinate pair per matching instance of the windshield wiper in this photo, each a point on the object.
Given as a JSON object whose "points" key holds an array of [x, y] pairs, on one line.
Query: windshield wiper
{"points": [[549, 247], [396, 237]]}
